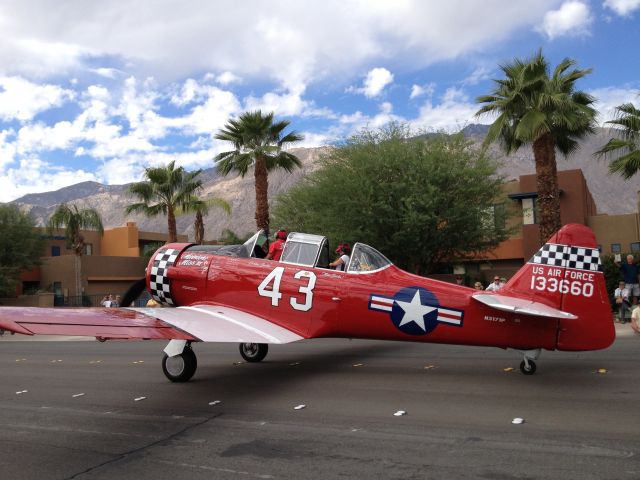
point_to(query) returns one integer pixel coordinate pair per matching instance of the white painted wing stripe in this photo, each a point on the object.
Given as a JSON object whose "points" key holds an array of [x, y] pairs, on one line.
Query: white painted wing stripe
{"points": [[266, 336], [221, 324]]}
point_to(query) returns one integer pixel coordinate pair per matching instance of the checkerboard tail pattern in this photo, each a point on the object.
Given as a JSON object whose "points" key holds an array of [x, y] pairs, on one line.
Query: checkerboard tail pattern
{"points": [[579, 258], [158, 281]]}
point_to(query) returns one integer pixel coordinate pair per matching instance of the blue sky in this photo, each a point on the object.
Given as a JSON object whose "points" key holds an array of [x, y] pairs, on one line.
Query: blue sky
{"points": [[100, 90]]}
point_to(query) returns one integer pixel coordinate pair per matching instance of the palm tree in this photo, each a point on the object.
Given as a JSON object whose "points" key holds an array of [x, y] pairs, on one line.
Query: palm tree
{"points": [[534, 107], [257, 142], [166, 190], [625, 148], [202, 208], [74, 221]]}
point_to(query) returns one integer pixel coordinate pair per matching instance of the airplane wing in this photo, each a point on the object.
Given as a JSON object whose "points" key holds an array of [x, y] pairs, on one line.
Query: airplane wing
{"points": [[522, 306], [198, 323]]}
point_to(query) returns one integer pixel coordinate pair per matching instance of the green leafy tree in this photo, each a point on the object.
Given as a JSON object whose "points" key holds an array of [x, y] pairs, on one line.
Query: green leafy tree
{"points": [[422, 201], [73, 221], [165, 191], [624, 150], [258, 142], [229, 237], [536, 107], [20, 247], [202, 208]]}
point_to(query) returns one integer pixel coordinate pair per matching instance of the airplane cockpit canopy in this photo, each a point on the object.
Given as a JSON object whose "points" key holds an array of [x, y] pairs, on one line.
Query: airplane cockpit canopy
{"points": [[313, 251], [306, 249], [303, 249], [365, 259]]}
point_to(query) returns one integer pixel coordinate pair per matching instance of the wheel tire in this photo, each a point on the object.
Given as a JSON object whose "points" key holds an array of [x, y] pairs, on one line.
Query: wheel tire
{"points": [[254, 352], [181, 367], [528, 371]]}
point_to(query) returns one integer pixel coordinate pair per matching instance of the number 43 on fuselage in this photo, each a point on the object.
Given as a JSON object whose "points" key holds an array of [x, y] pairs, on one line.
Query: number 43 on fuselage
{"points": [[556, 301]]}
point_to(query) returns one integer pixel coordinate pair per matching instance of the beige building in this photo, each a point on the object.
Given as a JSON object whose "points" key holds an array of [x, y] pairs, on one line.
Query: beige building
{"points": [[110, 264], [614, 233], [617, 233]]}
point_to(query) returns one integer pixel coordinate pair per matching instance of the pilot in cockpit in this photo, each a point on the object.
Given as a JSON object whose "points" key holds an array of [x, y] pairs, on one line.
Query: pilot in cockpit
{"points": [[275, 249]]}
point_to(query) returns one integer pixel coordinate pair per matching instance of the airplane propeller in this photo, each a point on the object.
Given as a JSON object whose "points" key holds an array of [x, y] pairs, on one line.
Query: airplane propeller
{"points": [[133, 292]]}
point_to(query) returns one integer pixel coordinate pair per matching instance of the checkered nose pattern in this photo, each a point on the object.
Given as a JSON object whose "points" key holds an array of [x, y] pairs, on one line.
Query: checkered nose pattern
{"points": [[579, 258], [158, 281]]}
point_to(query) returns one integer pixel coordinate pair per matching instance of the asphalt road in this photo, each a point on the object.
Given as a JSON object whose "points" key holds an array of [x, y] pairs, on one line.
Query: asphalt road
{"points": [[89, 410]]}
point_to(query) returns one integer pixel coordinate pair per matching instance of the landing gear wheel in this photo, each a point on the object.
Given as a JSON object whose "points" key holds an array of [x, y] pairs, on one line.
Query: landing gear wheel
{"points": [[530, 370], [181, 367], [254, 352]]}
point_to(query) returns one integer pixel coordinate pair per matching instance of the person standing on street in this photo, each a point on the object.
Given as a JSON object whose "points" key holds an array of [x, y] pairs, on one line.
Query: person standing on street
{"points": [[631, 277]]}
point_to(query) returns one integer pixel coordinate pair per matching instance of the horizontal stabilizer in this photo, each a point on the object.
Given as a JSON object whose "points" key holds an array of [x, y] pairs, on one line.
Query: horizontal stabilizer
{"points": [[522, 306]]}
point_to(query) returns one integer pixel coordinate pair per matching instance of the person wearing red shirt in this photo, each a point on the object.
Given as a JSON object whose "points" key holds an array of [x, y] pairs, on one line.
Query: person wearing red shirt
{"points": [[275, 249]]}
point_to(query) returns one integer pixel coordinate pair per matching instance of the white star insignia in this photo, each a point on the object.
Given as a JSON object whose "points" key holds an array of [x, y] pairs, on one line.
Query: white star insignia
{"points": [[414, 311]]}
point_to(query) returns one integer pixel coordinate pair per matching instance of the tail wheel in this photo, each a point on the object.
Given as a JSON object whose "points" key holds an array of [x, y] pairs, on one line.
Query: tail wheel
{"points": [[181, 367], [254, 352], [528, 369]]}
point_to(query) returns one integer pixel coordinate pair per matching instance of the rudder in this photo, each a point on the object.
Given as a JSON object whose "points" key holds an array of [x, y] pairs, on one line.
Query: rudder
{"points": [[566, 274]]}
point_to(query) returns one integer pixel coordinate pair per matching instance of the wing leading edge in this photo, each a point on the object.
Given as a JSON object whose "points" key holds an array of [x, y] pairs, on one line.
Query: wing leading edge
{"points": [[197, 323]]}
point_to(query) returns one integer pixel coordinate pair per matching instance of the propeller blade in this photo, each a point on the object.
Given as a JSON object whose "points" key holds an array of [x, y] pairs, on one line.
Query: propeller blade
{"points": [[134, 291]]}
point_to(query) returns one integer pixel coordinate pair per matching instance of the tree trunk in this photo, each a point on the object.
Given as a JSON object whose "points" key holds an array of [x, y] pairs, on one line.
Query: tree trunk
{"points": [[198, 228], [78, 267], [547, 183], [262, 199], [171, 222]]}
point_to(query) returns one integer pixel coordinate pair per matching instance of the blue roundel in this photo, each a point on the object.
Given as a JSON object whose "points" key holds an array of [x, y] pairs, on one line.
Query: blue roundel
{"points": [[415, 311]]}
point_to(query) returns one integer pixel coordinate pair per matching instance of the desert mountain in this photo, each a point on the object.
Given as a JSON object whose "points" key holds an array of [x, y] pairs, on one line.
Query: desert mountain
{"points": [[611, 194]]}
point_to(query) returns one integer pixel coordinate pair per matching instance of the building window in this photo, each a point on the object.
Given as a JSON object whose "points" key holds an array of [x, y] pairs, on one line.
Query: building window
{"points": [[615, 248], [30, 288], [529, 211], [494, 216], [88, 249], [635, 247], [55, 251], [499, 215]]}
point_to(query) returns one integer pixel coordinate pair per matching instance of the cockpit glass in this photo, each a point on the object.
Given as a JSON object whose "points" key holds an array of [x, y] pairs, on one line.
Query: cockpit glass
{"points": [[300, 253], [254, 246], [366, 259]]}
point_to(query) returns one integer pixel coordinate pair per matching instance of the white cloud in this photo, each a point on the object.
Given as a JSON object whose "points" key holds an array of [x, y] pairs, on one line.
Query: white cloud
{"points": [[407, 33], [453, 113], [33, 175], [21, 99], [7, 148], [23, 54], [227, 78], [478, 75], [572, 19], [374, 83], [351, 124], [610, 97], [105, 72], [289, 103], [622, 7], [187, 93], [211, 114], [422, 90]]}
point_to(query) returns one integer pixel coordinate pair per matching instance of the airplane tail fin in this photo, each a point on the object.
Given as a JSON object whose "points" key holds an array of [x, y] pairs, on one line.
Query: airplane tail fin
{"points": [[566, 275]]}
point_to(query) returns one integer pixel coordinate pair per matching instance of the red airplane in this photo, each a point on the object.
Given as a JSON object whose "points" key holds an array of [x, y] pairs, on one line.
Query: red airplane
{"points": [[556, 301]]}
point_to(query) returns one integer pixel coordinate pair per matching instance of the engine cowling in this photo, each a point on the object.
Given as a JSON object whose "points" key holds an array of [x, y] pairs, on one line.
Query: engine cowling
{"points": [[172, 271]]}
